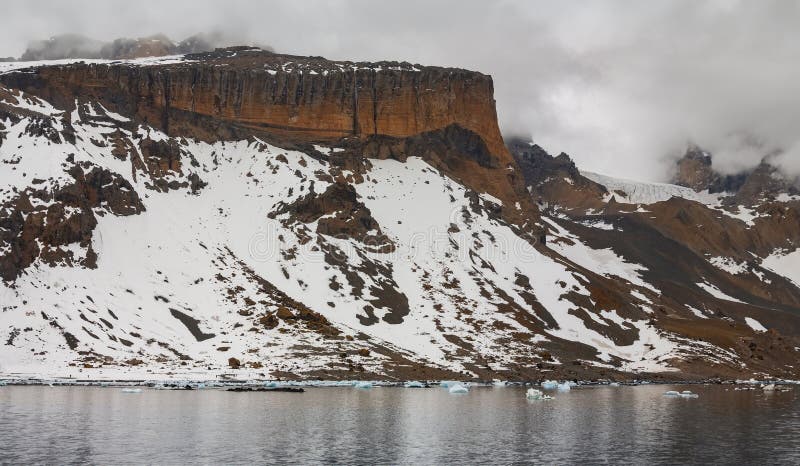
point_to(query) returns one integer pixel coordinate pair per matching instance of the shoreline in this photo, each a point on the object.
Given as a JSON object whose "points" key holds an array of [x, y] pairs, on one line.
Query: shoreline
{"points": [[184, 383]]}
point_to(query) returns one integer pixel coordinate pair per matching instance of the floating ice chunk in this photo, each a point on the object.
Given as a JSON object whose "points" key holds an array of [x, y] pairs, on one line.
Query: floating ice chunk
{"points": [[414, 384], [271, 384], [458, 388], [549, 385], [683, 394], [769, 387], [2, 383], [613, 384], [131, 390], [499, 383], [534, 394], [564, 387], [363, 385], [447, 383]]}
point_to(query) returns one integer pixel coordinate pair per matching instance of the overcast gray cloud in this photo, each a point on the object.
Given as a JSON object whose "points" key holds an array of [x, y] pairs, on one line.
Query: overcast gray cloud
{"points": [[622, 86]]}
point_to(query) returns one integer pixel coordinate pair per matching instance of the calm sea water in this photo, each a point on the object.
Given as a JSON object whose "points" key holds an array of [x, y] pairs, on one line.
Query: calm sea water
{"points": [[398, 426]]}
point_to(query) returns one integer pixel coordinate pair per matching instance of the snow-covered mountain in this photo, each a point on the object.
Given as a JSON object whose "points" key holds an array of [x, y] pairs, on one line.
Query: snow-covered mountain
{"points": [[266, 215]]}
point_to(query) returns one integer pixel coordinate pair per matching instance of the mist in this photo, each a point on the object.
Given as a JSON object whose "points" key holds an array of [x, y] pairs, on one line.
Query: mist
{"points": [[622, 86]]}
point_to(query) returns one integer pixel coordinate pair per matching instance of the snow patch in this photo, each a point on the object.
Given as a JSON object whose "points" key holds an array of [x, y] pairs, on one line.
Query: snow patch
{"points": [[754, 324]]}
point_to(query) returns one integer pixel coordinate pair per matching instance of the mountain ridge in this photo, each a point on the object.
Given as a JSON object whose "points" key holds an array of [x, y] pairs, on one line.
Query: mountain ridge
{"points": [[145, 231]]}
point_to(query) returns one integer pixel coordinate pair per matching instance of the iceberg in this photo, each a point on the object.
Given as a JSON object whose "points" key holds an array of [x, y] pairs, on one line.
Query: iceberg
{"points": [[534, 394], [683, 394], [271, 384], [414, 384], [499, 383], [613, 384], [769, 387], [131, 390], [564, 387], [549, 385], [458, 388], [364, 385], [447, 383]]}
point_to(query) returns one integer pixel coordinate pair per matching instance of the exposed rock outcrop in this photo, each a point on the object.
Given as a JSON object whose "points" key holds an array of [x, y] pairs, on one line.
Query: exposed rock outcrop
{"points": [[60, 217], [555, 180], [695, 170]]}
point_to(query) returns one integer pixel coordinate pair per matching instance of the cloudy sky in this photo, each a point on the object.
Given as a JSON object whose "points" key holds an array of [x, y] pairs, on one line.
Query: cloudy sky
{"points": [[622, 86]]}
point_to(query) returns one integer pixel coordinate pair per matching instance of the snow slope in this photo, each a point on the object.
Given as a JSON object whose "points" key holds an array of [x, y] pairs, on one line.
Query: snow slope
{"points": [[183, 286]]}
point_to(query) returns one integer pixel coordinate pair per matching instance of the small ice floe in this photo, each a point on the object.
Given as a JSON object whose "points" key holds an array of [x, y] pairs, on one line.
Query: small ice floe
{"points": [[2, 383], [414, 384], [499, 383], [549, 385], [564, 387], [131, 390], [769, 387], [613, 384], [364, 385], [534, 394], [447, 383], [270, 384], [683, 394], [458, 388]]}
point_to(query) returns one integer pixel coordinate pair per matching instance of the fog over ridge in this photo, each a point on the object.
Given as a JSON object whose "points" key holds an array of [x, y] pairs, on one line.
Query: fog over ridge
{"points": [[622, 86]]}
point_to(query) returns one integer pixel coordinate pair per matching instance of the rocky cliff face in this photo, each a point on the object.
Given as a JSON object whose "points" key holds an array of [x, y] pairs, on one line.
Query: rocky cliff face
{"points": [[304, 98], [290, 100]]}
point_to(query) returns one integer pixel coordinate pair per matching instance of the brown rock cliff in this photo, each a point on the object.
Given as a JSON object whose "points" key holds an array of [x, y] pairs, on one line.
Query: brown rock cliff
{"points": [[238, 92]]}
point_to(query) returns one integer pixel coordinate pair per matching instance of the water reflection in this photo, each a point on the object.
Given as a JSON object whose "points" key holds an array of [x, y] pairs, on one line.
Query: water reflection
{"points": [[394, 425]]}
